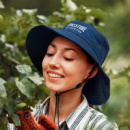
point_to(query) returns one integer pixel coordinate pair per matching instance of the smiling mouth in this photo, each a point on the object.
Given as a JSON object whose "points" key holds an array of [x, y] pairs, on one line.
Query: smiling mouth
{"points": [[55, 75]]}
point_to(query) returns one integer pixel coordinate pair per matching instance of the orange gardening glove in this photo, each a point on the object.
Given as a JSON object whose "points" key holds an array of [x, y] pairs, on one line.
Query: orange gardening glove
{"points": [[28, 122]]}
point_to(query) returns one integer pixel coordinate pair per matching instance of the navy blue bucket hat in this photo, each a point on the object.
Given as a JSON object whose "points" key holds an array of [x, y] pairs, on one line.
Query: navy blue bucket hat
{"points": [[97, 89]]}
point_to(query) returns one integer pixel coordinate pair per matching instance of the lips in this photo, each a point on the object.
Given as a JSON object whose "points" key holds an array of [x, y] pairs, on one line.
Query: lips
{"points": [[55, 75]]}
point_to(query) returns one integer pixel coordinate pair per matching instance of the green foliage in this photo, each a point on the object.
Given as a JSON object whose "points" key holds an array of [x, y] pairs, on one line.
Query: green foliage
{"points": [[19, 93], [118, 30], [21, 87], [117, 108]]}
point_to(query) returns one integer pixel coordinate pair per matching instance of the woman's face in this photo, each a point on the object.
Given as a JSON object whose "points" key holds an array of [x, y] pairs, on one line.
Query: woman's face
{"points": [[64, 65]]}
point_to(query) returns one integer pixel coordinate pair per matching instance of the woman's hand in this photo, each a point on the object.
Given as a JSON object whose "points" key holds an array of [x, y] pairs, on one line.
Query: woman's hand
{"points": [[28, 122]]}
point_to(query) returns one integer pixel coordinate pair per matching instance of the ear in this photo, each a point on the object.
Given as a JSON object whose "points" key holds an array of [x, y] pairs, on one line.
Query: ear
{"points": [[93, 73]]}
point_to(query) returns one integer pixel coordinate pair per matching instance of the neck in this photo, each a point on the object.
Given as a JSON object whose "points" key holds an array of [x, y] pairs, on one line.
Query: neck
{"points": [[67, 103]]}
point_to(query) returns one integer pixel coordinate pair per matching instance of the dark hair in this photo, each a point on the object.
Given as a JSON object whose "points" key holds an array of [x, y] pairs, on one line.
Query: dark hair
{"points": [[90, 59]]}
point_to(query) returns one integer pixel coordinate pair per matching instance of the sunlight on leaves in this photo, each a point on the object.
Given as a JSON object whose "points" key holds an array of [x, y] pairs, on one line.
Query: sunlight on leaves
{"points": [[25, 69]]}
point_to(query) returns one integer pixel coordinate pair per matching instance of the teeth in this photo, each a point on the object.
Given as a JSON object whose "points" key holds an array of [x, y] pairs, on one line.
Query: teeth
{"points": [[54, 75]]}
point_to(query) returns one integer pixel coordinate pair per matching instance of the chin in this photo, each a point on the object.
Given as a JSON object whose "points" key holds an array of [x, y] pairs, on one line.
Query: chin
{"points": [[56, 89]]}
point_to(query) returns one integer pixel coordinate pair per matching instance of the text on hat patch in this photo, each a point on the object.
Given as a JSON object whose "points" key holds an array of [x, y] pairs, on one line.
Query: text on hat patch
{"points": [[76, 27]]}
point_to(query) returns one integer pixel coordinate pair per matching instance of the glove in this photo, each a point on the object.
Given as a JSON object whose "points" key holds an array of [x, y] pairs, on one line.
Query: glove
{"points": [[28, 122]]}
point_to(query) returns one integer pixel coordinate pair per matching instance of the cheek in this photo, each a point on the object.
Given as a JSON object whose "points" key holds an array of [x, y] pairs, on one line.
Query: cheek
{"points": [[83, 70], [78, 71], [44, 66]]}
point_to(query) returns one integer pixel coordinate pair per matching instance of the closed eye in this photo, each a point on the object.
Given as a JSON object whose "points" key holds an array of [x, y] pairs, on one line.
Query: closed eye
{"points": [[49, 54], [68, 59]]}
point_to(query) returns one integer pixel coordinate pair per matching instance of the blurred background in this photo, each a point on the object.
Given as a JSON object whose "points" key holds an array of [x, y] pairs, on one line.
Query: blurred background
{"points": [[110, 17], [117, 29], [47, 7]]}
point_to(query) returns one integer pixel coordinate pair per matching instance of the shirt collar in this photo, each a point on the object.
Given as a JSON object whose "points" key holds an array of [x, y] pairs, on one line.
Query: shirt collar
{"points": [[73, 118], [75, 114]]}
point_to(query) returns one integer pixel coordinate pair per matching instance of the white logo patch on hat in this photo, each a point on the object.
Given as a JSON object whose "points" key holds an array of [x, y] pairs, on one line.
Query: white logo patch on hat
{"points": [[77, 27]]}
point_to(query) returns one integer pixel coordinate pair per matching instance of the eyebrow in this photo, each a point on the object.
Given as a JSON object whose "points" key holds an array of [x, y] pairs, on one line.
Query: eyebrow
{"points": [[65, 48], [71, 49], [53, 45]]}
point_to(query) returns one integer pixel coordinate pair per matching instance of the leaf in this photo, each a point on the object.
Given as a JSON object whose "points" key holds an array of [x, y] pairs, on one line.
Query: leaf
{"points": [[11, 88], [24, 69], [26, 88], [41, 93], [1, 5], [22, 106], [28, 102], [30, 87], [56, 13], [125, 72], [3, 95], [0, 108], [3, 121], [21, 87], [2, 81], [30, 11], [44, 89], [10, 107], [42, 19], [36, 79], [16, 120], [2, 91]]}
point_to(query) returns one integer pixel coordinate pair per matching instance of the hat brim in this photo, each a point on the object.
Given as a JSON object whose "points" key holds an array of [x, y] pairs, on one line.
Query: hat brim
{"points": [[38, 39]]}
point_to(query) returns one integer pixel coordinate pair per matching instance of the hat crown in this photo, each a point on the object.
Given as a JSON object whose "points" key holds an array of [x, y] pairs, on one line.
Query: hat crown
{"points": [[92, 37]]}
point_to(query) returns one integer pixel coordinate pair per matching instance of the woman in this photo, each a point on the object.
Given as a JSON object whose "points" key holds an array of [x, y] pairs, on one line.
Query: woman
{"points": [[70, 60]]}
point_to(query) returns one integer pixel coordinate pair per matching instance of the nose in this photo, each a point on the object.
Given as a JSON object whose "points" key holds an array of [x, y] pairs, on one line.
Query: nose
{"points": [[55, 61]]}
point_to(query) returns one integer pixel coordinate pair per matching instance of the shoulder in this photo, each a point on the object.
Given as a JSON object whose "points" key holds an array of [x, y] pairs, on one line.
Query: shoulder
{"points": [[40, 108], [95, 120]]}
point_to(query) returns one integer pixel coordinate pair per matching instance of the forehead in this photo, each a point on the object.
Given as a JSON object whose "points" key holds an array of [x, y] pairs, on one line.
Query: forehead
{"points": [[64, 42]]}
